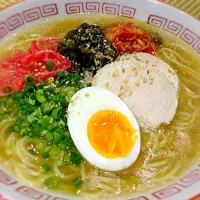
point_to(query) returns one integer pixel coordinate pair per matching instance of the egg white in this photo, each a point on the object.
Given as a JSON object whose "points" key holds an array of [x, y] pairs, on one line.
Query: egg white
{"points": [[83, 105]]}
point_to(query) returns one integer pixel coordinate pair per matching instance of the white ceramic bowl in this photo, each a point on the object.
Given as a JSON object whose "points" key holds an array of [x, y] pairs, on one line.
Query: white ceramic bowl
{"points": [[27, 12]]}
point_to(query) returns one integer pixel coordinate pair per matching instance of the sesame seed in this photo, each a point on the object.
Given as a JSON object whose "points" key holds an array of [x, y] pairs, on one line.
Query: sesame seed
{"points": [[120, 94], [125, 81], [144, 80], [150, 78], [135, 74], [137, 84], [134, 68], [87, 94], [170, 71], [151, 82]]}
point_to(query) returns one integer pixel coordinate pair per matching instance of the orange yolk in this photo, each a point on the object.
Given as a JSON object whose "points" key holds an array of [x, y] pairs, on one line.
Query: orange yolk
{"points": [[111, 134]]}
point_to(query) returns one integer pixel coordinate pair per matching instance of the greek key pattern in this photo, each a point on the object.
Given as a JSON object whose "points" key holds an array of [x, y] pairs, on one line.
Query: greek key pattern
{"points": [[73, 8], [185, 182], [3, 29], [98, 7], [174, 27], [33, 194], [32, 14], [189, 37], [6, 179], [26, 16], [14, 22], [196, 46], [177, 29]]}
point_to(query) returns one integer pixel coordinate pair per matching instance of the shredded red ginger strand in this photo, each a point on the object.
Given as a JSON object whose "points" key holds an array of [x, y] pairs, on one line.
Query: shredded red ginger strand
{"points": [[13, 69], [128, 38]]}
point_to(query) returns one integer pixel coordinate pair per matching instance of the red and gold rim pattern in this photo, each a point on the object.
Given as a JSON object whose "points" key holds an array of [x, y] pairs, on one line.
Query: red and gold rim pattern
{"points": [[190, 6]]}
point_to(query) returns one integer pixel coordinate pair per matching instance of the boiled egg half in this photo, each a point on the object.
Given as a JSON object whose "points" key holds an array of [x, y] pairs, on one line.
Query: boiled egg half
{"points": [[103, 129]]}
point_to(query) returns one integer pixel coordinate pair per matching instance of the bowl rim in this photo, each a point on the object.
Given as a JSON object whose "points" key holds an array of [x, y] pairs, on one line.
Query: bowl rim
{"points": [[17, 5]]}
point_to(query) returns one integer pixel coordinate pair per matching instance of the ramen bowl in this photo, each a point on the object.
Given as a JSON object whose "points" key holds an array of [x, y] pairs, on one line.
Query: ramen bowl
{"points": [[24, 14]]}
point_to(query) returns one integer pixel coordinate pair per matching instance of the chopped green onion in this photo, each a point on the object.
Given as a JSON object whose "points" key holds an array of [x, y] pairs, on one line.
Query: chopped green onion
{"points": [[77, 182], [54, 152], [57, 112], [41, 85], [31, 118], [29, 87], [61, 74], [40, 96], [52, 182], [2, 103], [48, 137], [25, 124], [41, 111], [31, 101], [45, 155], [49, 65], [45, 120], [51, 127], [61, 124], [46, 167], [56, 138], [32, 151], [75, 158], [29, 79], [45, 107], [50, 80], [37, 112]]}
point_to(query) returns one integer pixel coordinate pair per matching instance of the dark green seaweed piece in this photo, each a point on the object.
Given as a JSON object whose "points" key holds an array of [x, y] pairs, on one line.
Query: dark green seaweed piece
{"points": [[87, 48]]}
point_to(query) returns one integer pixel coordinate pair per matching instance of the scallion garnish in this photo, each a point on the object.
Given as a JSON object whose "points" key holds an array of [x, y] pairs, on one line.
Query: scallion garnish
{"points": [[49, 65], [75, 158], [77, 182], [29, 79], [45, 155], [42, 113], [40, 96], [46, 167], [57, 112]]}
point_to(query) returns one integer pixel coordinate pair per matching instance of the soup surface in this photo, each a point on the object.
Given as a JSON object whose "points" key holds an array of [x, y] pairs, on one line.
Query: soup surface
{"points": [[166, 152]]}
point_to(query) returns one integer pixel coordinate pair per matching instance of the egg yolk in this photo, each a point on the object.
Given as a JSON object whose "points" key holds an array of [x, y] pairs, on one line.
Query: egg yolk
{"points": [[111, 134]]}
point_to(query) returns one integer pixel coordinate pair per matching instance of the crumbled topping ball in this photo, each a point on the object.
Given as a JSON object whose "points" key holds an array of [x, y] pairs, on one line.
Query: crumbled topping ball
{"points": [[87, 48]]}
